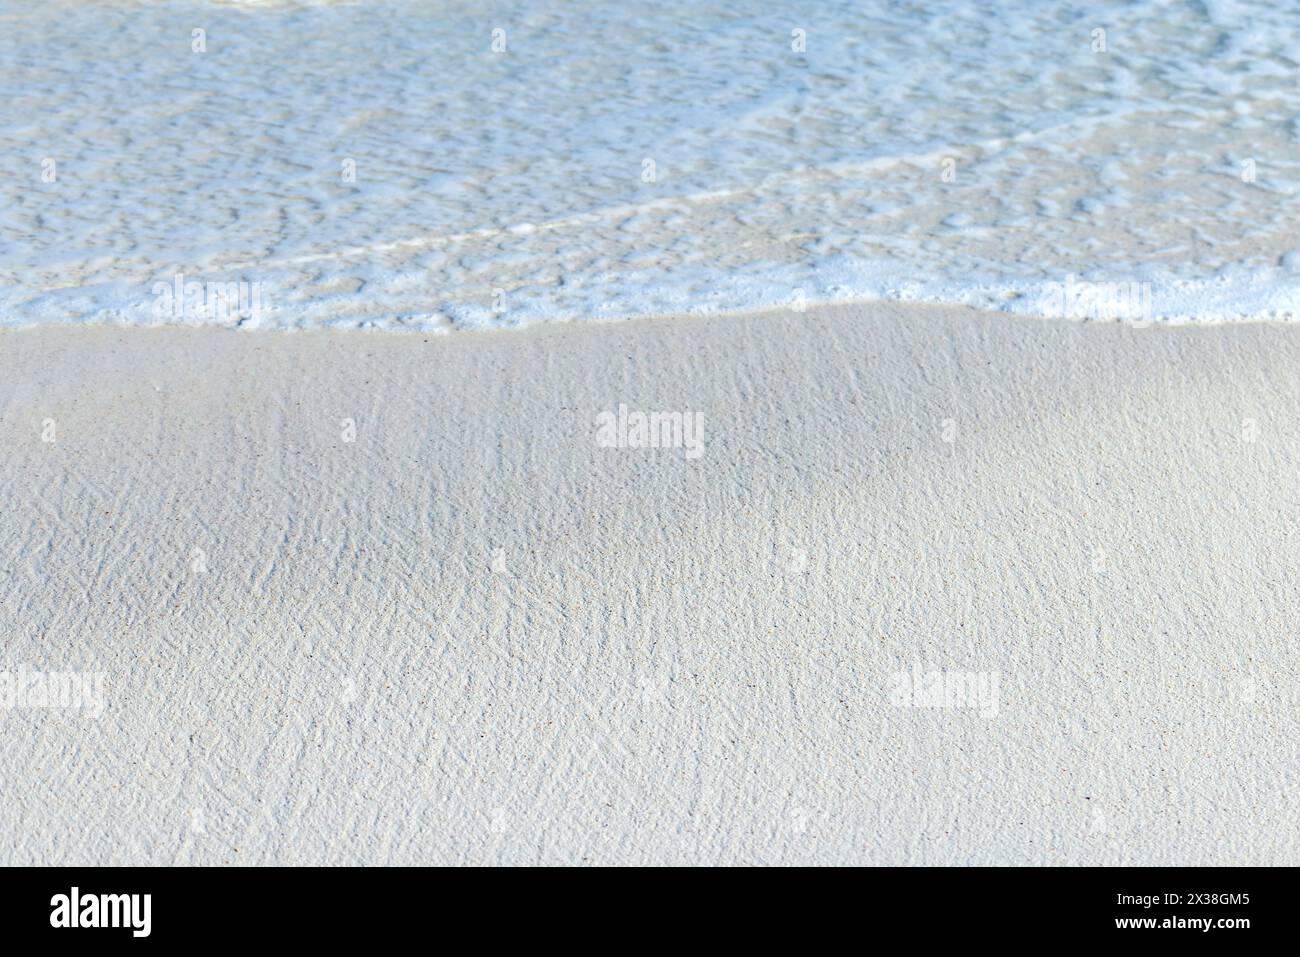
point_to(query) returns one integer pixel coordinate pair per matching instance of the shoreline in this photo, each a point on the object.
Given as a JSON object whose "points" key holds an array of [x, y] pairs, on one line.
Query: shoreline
{"points": [[461, 630], [446, 328]]}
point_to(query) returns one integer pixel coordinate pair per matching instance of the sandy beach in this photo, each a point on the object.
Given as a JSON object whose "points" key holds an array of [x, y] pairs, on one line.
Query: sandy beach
{"points": [[385, 598]]}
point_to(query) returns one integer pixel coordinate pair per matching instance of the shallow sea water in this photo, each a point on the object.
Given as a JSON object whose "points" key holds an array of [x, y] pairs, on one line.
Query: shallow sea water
{"points": [[458, 165]]}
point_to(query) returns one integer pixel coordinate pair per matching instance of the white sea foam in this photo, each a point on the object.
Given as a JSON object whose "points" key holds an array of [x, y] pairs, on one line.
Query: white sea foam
{"points": [[610, 160]]}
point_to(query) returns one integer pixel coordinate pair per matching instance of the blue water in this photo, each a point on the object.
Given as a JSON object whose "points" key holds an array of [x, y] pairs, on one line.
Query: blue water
{"points": [[448, 165]]}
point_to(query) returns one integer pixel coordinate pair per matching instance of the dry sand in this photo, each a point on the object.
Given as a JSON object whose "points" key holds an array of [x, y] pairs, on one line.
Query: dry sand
{"points": [[473, 635]]}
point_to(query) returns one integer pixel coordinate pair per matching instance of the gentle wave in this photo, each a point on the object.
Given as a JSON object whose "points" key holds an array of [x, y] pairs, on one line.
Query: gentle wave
{"points": [[401, 164]]}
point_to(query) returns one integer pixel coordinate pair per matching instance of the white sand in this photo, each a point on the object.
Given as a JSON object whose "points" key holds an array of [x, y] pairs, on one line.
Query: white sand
{"points": [[473, 635]]}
